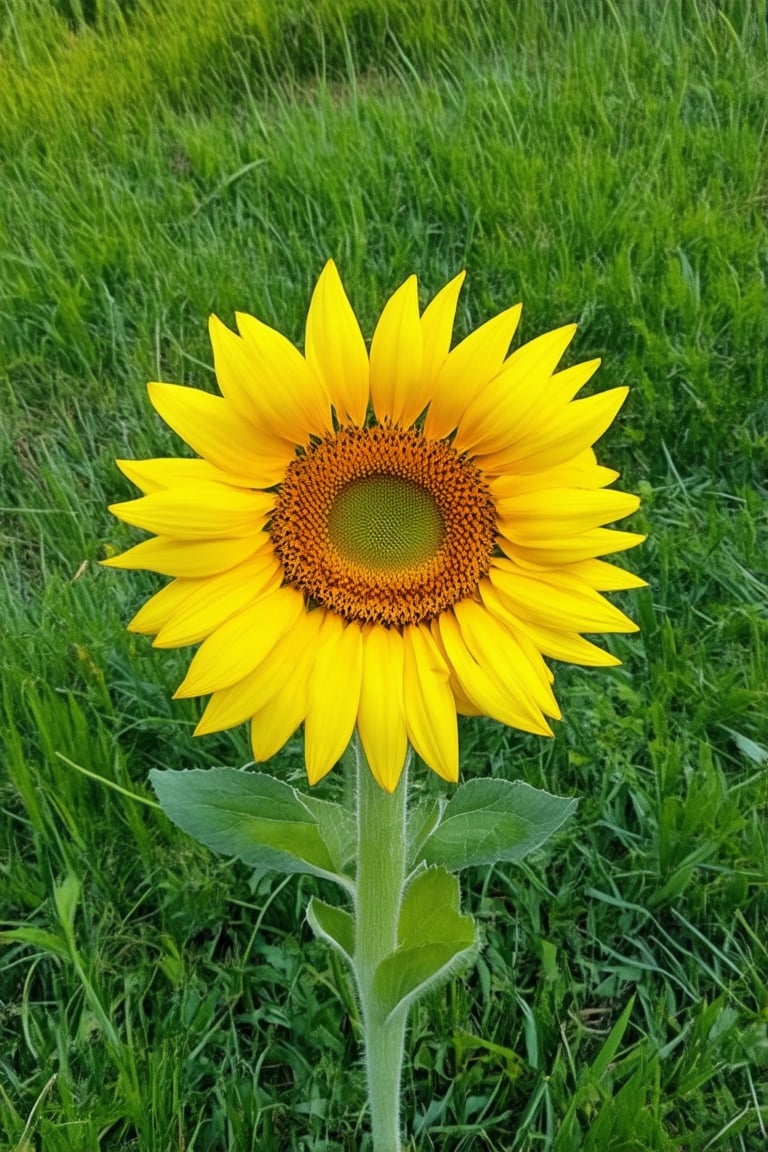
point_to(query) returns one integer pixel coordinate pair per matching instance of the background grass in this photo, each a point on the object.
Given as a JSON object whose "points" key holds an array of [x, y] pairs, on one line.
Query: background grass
{"points": [[602, 162]]}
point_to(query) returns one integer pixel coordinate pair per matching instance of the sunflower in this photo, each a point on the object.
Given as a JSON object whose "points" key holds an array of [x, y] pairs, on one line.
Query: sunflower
{"points": [[381, 539]]}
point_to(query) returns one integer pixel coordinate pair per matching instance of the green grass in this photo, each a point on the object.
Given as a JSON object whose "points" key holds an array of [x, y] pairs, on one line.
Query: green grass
{"points": [[604, 163]]}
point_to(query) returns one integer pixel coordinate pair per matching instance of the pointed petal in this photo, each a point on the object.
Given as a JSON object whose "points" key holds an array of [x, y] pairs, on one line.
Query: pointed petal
{"points": [[396, 354], [187, 558], [160, 607], [581, 472], [550, 442], [213, 428], [274, 725], [605, 577], [335, 348], [241, 643], [430, 707], [198, 511], [437, 328], [175, 472], [556, 551], [481, 689], [467, 369], [567, 646], [381, 718], [556, 512], [489, 422], [231, 706], [213, 601], [464, 706], [334, 696], [556, 599], [495, 647], [296, 394], [268, 380], [278, 720]]}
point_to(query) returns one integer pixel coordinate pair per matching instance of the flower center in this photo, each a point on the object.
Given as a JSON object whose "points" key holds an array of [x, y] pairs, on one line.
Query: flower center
{"points": [[381, 524], [385, 523]]}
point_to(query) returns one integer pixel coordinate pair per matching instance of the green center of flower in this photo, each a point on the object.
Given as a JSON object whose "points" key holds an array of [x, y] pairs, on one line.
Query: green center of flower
{"points": [[386, 523]]}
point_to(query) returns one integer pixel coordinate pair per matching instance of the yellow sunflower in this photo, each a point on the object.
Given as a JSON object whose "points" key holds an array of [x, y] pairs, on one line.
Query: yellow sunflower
{"points": [[381, 539]]}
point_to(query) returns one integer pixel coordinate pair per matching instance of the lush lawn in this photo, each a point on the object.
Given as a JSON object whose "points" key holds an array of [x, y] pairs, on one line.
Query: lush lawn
{"points": [[602, 162]]}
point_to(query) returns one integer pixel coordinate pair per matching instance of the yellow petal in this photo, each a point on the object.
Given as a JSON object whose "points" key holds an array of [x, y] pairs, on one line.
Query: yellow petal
{"points": [[198, 511], [241, 643], [467, 369], [556, 551], [186, 558], [494, 646], [214, 600], [464, 706], [231, 706], [175, 471], [381, 718], [215, 429], [540, 515], [481, 689], [437, 328], [553, 440], [605, 577], [299, 398], [274, 725], [268, 381], [556, 599], [581, 472], [430, 707], [334, 696], [567, 646], [238, 378], [279, 719], [396, 356], [160, 607], [490, 420], [335, 348]]}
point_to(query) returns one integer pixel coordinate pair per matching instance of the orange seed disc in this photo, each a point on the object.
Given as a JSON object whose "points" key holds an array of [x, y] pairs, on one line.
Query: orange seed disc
{"points": [[383, 525]]}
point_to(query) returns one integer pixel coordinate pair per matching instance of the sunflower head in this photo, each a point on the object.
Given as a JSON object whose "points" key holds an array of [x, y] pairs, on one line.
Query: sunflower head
{"points": [[381, 538]]}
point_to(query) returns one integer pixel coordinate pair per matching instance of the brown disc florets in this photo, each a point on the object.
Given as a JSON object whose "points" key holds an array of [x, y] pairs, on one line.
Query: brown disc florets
{"points": [[381, 524]]}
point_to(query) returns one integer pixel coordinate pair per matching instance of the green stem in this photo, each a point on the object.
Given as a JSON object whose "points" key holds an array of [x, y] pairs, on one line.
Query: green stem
{"points": [[381, 864]]}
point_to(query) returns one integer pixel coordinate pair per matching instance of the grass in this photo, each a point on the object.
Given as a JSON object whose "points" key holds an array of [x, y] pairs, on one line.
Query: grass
{"points": [[603, 163]]}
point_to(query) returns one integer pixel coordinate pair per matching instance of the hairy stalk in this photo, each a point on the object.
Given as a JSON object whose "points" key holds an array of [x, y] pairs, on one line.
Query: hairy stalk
{"points": [[381, 864]]}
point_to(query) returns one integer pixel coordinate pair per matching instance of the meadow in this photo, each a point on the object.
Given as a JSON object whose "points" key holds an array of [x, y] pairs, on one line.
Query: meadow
{"points": [[603, 163]]}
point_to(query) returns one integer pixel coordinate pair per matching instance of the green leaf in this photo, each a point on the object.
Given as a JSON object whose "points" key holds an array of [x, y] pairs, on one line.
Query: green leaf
{"points": [[333, 925], [490, 820], [433, 939], [38, 938], [423, 818], [66, 895], [258, 819], [337, 828]]}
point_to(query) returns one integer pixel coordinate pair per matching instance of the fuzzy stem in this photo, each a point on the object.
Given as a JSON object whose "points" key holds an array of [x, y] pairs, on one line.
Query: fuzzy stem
{"points": [[381, 863]]}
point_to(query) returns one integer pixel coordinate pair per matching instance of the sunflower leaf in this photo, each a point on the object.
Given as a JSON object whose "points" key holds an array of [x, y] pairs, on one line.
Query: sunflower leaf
{"points": [[337, 828], [260, 820], [423, 818], [434, 938], [333, 925], [487, 821]]}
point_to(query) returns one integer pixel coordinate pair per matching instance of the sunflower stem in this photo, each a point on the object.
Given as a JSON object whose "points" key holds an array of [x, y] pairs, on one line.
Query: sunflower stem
{"points": [[381, 865]]}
